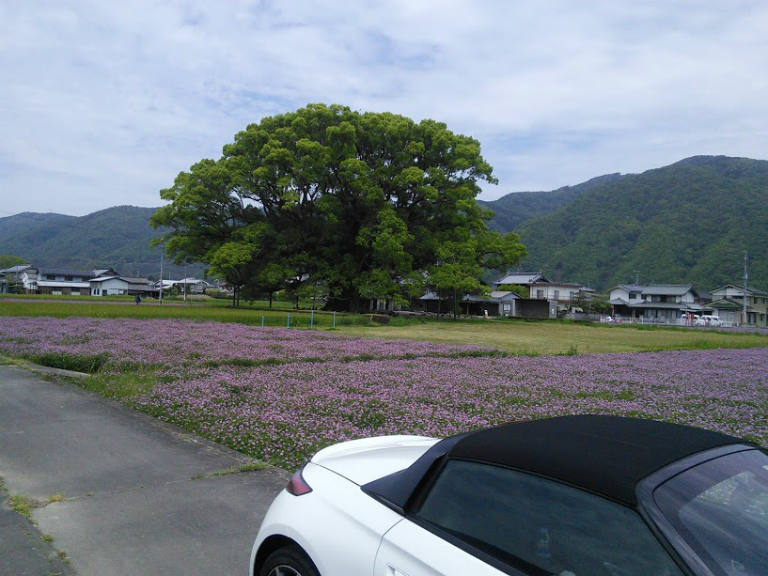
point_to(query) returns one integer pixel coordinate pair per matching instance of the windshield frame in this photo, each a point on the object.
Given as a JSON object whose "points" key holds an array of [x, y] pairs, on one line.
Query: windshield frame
{"points": [[659, 521]]}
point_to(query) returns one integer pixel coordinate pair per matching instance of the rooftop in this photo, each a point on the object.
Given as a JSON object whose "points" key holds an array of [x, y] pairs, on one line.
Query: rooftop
{"points": [[521, 278], [668, 289]]}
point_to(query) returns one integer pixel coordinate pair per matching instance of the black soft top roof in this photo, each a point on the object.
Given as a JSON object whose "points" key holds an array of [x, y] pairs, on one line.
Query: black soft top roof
{"points": [[607, 455]]}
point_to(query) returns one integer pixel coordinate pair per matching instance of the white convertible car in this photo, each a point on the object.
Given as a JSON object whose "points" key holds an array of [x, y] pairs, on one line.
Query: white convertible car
{"points": [[568, 496]]}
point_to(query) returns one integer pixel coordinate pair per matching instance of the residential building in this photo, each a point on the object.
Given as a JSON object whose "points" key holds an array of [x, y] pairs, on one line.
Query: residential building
{"points": [[657, 303], [524, 279], [192, 285], [757, 304], [562, 294], [56, 281], [119, 285], [729, 311], [11, 279], [497, 303], [188, 285]]}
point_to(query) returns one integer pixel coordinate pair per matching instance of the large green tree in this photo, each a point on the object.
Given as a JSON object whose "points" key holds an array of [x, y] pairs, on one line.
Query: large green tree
{"points": [[369, 204]]}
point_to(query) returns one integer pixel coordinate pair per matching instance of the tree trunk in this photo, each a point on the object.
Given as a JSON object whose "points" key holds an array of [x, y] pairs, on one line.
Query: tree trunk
{"points": [[354, 302]]}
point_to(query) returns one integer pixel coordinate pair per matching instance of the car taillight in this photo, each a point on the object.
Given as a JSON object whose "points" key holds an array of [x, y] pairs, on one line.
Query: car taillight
{"points": [[297, 485]]}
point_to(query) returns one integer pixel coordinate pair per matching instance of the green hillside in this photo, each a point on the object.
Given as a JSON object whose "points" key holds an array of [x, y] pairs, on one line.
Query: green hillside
{"points": [[688, 222], [514, 209], [117, 237]]}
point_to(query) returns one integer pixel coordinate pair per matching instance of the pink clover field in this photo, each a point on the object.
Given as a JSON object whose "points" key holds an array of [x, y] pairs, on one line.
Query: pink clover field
{"points": [[279, 394]]}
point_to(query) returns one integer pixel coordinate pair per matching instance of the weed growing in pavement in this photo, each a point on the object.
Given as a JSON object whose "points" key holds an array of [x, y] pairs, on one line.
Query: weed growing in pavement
{"points": [[22, 505], [254, 466]]}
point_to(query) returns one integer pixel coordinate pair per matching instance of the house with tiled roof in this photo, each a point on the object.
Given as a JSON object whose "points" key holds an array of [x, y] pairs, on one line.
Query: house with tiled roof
{"points": [[39, 280], [729, 301], [120, 285], [657, 303], [57, 281], [560, 296], [10, 278]]}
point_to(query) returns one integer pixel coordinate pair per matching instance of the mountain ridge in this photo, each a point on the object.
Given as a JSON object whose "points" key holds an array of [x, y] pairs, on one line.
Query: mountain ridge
{"points": [[688, 222], [118, 237]]}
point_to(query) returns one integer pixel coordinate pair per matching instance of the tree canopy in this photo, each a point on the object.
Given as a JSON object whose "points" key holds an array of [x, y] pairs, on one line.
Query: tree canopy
{"points": [[372, 205], [9, 260]]}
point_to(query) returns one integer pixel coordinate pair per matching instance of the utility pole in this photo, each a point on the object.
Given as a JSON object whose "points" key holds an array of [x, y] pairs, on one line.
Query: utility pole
{"points": [[746, 278]]}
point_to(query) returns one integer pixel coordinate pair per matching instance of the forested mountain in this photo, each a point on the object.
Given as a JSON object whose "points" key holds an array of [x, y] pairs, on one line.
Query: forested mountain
{"points": [[514, 209], [117, 237], [687, 222]]}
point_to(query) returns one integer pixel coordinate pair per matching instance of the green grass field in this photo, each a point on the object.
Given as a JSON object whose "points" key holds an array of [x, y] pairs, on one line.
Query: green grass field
{"points": [[562, 337], [511, 336], [208, 310]]}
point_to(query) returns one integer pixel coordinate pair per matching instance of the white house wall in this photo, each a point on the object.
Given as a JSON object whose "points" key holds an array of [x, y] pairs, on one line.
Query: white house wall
{"points": [[111, 287]]}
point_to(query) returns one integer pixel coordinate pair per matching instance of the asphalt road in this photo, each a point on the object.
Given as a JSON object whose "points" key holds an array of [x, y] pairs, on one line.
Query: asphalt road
{"points": [[117, 492]]}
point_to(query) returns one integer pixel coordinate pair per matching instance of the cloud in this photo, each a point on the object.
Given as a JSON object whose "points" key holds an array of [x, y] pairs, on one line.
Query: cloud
{"points": [[104, 103]]}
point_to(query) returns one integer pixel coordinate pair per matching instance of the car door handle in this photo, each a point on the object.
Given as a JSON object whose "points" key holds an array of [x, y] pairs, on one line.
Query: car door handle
{"points": [[392, 571]]}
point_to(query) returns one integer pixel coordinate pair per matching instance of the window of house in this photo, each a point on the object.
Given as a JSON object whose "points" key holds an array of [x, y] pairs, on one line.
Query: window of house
{"points": [[50, 277], [538, 525], [68, 278], [557, 294], [540, 294]]}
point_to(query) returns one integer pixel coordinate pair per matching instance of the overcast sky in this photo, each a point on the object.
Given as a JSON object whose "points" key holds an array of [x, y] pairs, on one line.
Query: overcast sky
{"points": [[103, 103]]}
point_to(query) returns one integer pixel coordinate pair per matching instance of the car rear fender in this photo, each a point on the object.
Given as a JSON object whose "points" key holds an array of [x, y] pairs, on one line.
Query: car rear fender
{"points": [[336, 524]]}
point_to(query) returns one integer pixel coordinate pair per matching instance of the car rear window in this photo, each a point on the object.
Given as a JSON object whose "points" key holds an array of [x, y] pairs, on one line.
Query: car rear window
{"points": [[720, 508], [540, 526]]}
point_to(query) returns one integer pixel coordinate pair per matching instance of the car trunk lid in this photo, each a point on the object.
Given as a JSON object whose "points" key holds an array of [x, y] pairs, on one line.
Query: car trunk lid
{"points": [[362, 461]]}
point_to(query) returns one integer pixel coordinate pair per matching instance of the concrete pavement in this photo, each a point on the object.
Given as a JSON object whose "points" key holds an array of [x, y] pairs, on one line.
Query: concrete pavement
{"points": [[119, 492]]}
